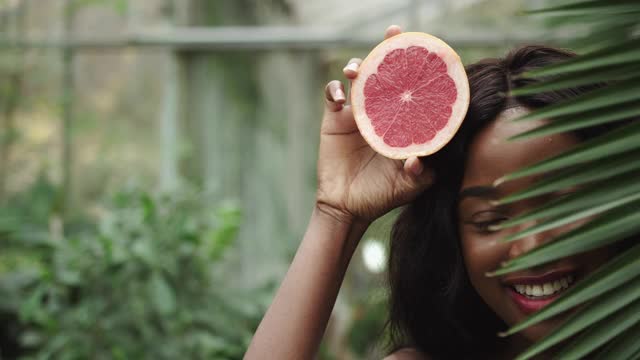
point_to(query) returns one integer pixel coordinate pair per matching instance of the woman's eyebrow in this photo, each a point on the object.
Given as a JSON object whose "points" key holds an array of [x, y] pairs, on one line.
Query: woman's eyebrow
{"points": [[478, 191]]}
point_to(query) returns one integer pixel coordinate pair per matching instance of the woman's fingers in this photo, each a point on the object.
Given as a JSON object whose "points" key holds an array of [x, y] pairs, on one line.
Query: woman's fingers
{"points": [[392, 30], [413, 166], [416, 170], [334, 96], [351, 70]]}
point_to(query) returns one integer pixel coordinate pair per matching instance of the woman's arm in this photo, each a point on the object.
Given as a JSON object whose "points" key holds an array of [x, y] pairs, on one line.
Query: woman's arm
{"points": [[355, 186], [294, 324]]}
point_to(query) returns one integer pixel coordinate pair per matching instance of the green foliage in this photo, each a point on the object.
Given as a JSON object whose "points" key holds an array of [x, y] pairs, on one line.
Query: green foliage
{"points": [[120, 6], [145, 282], [365, 332], [604, 170]]}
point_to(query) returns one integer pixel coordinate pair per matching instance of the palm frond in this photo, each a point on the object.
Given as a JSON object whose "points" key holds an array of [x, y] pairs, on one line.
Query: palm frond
{"points": [[583, 120], [623, 53], [605, 171], [602, 169], [608, 228], [616, 142], [594, 200], [601, 332], [618, 93]]}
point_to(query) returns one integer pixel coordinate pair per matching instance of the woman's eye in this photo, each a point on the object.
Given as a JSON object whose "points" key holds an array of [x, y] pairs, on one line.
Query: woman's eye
{"points": [[486, 226], [484, 221]]}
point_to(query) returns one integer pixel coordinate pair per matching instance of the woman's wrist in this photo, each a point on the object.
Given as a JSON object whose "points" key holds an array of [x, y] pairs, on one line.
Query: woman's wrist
{"points": [[343, 225], [341, 217]]}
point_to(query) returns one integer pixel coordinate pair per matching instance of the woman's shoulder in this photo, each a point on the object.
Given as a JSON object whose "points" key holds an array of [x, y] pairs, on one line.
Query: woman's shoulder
{"points": [[407, 354]]}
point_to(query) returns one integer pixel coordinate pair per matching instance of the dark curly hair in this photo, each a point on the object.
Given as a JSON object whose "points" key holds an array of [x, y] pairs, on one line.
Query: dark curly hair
{"points": [[433, 306]]}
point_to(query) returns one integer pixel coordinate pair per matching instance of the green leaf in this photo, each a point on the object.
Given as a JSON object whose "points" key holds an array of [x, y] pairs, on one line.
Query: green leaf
{"points": [[582, 120], [593, 200], [596, 21], [162, 295], [620, 140], [618, 93], [581, 174], [222, 238], [608, 32], [590, 6], [590, 76], [121, 6], [608, 228], [614, 273], [627, 52], [622, 347], [590, 314], [602, 332], [570, 218]]}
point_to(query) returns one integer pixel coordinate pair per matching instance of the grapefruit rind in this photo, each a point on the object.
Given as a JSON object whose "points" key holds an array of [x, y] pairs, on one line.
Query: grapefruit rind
{"points": [[369, 66]]}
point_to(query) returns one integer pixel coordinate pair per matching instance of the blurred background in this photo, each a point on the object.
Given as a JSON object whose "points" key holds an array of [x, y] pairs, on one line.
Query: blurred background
{"points": [[157, 165]]}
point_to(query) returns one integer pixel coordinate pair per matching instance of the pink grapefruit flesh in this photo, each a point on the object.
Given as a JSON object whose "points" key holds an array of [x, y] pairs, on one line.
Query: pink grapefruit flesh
{"points": [[410, 96]]}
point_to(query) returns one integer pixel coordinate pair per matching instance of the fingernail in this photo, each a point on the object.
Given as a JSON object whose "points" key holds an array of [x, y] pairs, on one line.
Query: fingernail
{"points": [[339, 94], [352, 67]]}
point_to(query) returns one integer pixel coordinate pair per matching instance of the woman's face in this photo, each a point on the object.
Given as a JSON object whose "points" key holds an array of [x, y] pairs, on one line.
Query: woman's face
{"points": [[513, 296]]}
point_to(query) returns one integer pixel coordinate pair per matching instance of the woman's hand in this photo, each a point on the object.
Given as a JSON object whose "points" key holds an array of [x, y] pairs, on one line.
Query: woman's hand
{"points": [[354, 182]]}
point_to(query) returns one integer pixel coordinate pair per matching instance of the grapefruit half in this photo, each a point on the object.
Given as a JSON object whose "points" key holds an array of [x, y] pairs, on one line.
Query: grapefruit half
{"points": [[410, 96]]}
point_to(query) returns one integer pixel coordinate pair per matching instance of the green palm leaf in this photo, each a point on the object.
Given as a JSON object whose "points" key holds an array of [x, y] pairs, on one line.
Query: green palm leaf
{"points": [[602, 332], [608, 228], [603, 169], [606, 168], [626, 52], [590, 6], [588, 202], [585, 77], [596, 21], [621, 140], [606, 33], [583, 120], [619, 93], [623, 347]]}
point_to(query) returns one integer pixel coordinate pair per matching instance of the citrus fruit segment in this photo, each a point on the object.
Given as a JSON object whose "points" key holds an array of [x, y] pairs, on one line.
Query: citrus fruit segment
{"points": [[410, 96]]}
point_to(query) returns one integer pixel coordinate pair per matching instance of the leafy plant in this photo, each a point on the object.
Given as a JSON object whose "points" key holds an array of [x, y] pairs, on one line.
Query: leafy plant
{"points": [[145, 283], [607, 323]]}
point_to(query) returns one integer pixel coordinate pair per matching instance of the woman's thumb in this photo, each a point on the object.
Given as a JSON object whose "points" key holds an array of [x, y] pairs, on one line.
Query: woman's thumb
{"points": [[420, 176]]}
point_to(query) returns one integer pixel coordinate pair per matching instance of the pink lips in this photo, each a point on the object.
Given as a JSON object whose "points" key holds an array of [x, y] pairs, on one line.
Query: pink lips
{"points": [[529, 305]]}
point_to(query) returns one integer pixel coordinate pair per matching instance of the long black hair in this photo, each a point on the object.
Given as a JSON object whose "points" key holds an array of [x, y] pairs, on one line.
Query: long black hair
{"points": [[433, 306]]}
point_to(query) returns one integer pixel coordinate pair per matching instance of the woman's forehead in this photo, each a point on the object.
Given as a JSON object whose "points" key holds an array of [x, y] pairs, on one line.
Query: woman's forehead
{"points": [[491, 155]]}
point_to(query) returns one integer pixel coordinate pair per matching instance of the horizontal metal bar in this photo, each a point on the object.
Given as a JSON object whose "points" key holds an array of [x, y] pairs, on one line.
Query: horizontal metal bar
{"points": [[254, 38]]}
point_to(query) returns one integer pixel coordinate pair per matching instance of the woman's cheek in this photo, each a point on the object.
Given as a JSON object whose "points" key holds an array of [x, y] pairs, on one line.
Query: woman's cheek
{"points": [[483, 252]]}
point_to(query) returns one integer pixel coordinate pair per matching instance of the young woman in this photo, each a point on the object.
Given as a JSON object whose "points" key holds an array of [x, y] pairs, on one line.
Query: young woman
{"points": [[441, 303]]}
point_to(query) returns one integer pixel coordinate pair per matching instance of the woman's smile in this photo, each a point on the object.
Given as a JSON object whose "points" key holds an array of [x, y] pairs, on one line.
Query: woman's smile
{"points": [[532, 292]]}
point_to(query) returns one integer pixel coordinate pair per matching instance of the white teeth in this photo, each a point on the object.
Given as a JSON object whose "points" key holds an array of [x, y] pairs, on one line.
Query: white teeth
{"points": [[537, 290], [544, 289]]}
